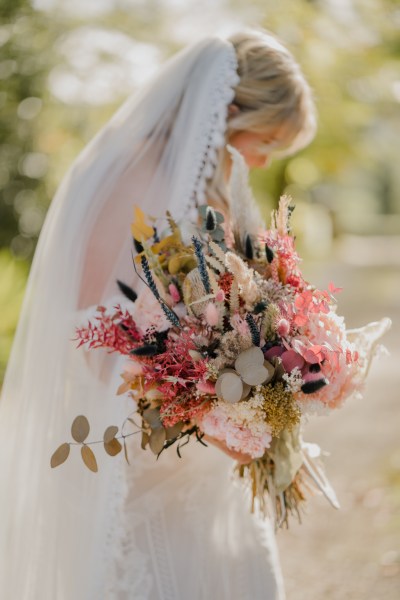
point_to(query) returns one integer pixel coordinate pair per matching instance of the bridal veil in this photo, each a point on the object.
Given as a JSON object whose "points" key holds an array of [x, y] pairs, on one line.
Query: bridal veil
{"points": [[157, 152]]}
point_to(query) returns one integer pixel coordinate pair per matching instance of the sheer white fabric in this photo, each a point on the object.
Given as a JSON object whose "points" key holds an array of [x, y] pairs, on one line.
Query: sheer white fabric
{"points": [[167, 529], [186, 532], [182, 528]]}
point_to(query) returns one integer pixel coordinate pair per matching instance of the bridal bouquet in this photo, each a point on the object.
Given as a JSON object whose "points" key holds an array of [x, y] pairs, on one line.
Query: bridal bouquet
{"points": [[229, 342]]}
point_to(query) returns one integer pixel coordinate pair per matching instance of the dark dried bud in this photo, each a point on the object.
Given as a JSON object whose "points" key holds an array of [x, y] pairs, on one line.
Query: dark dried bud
{"points": [[269, 254], [155, 236], [147, 350], [249, 248], [260, 307], [138, 246], [127, 291], [211, 219], [255, 334], [310, 387]]}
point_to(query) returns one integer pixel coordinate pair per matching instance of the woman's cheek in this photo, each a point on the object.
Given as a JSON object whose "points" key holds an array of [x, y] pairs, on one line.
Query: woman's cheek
{"points": [[255, 160]]}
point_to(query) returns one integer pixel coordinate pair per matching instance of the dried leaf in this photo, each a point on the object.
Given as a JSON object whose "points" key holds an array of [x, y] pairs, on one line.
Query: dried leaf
{"points": [[152, 417], [110, 433], [157, 439], [171, 222], [218, 252], [246, 390], [218, 235], [215, 264], [213, 281], [60, 455], [271, 370], [140, 230], [249, 358], [173, 432], [255, 375], [113, 447], [234, 297], [291, 359], [218, 383], [145, 440], [231, 387], [133, 422], [126, 452], [89, 458], [123, 388], [195, 355], [80, 429], [175, 264], [203, 299], [279, 369], [193, 289]]}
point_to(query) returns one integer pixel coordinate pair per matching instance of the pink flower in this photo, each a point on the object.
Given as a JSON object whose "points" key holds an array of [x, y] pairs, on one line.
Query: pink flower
{"points": [[283, 327], [173, 290], [211, 314], [237, 436], [314, 354], [148, 312], [291, 360], [207, 387], [220, 296], [274, 351], [240, 325], [333, 289], [325, 342]]}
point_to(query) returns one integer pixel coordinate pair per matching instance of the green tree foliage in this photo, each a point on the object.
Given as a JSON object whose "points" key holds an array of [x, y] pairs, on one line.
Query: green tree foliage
{"points": [[13, 277], [346, 181], [349, 52], [24, 61]]}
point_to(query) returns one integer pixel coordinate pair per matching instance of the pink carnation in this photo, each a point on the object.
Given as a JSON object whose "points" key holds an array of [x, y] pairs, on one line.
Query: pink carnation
{"points": [[148, 312], [237, 436]]}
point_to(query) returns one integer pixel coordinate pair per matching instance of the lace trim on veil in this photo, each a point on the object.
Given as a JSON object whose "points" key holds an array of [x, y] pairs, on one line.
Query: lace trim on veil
{"points": [[211, 135]]}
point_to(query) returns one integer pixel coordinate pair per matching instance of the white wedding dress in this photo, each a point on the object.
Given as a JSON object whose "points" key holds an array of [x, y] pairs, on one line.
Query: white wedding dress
{"points": [[180, 528], [172, 529]]}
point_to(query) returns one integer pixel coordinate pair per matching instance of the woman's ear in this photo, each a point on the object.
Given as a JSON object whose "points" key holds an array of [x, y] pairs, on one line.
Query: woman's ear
{"points": [[233, 110]]}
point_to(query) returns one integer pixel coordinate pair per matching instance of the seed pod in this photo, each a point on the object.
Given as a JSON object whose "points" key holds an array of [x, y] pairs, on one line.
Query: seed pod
{"points": [[260, 307], [127, 291], [147, 350], [269, 253], [138, 246], [249, 248], [310, 387], [211, 219]]}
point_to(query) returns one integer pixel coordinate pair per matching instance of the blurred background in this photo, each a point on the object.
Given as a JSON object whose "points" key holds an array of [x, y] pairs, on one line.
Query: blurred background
{"points": [[65, 65]]}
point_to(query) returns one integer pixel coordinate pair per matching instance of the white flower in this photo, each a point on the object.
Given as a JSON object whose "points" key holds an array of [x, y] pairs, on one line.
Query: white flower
{"points": [[293, 380]]}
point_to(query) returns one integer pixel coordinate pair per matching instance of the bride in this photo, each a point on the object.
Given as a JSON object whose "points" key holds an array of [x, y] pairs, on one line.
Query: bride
{"points": [[173, 528]]}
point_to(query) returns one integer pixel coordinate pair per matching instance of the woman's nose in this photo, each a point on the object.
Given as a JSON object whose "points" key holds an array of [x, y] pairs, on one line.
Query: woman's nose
{"points": [[257, 161]]}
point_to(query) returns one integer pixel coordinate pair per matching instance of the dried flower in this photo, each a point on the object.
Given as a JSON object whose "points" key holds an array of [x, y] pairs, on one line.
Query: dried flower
{"points": [[280, 407], [241, 426], [244, 277], [250, 369]]}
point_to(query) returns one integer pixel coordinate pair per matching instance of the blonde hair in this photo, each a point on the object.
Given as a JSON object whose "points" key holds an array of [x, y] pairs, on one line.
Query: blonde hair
{"points": [[272, 94]]}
